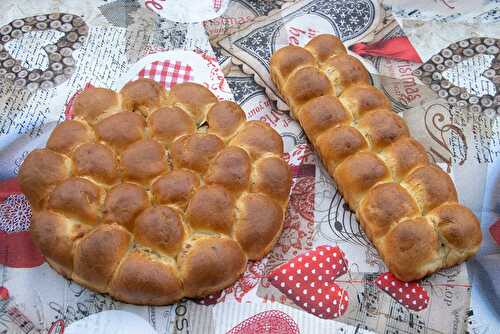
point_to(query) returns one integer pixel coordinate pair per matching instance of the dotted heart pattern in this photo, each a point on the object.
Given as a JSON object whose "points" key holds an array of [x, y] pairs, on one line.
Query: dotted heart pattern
{"points": [[309, 281], [409, 294], [269, 322], [15, 211]]}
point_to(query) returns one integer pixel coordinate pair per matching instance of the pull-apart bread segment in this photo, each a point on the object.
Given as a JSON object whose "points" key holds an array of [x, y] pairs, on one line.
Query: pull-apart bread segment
{"points": [[152, 196], [406, 205]]}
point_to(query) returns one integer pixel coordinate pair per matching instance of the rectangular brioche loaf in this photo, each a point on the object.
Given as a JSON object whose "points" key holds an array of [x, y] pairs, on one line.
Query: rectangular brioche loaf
{"points": [[406, 205]]}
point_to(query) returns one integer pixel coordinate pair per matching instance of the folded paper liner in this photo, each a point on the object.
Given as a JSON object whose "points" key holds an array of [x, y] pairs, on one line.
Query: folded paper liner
{"points": [[406, 205], [153, 196]]}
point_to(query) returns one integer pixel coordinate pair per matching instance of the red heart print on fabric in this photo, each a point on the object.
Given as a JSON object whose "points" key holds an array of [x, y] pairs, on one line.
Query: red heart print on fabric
{"points": [[308, 280], [18, 251], [4, 293], [9, 187], [16, 246], [410, 294], [268, 322], [495, 231]]}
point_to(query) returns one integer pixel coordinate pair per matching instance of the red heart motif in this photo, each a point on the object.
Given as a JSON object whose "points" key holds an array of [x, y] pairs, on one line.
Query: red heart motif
{"points": [[268, 322], [16, 247], [308, 280], [18, 251], [495, 231], [9, 187], [409, 294]]}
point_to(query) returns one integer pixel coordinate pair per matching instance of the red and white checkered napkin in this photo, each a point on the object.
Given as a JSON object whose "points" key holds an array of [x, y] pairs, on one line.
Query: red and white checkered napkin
{"points": [[167, 73], [217, 4], [308, 280], [410, 294], [268, 322]]}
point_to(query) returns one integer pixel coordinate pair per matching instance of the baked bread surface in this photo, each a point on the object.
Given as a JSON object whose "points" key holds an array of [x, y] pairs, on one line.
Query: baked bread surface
{"points": [[153, 196], [406, 205]]}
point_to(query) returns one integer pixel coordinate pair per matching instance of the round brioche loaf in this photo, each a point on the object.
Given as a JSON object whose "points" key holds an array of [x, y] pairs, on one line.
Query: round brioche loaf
{"points": [[406, 205], [153, 196]]}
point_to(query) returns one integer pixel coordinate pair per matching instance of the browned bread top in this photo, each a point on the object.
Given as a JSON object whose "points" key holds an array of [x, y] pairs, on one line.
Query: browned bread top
{"points": [[153, 196], [406, 205]]}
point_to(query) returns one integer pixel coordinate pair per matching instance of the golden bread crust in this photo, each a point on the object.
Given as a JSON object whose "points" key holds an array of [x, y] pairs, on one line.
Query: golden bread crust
{"points": [[258, 138], [225, 118], [40, 172], [175, 188], [121, 129], [194, 98], [160, 228], [406, 205], [195, 151], [98, 254], [272, 176], [144, 280], [169, 123], [140, 195], [324, 46], [210, 263], [260, 222], [123, 204], [96, 161], [68, 135], [323, 113], [142, 95], [94, 102]]}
